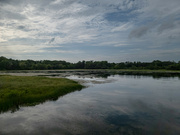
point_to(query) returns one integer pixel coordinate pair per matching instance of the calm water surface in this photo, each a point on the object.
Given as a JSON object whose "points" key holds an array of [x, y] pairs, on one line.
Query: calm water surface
{"points": [[116, 105]]}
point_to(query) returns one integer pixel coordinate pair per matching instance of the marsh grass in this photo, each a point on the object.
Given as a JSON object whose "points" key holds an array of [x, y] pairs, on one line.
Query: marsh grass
{"points": [[18, 91]]}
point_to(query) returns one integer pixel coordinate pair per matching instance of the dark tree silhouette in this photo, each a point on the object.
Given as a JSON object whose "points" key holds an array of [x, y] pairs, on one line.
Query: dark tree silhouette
{"points": [[10, 64]]}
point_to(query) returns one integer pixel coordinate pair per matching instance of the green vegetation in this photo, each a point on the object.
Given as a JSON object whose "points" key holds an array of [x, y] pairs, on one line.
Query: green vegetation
{"points": [[10, 64], [18, 91]]}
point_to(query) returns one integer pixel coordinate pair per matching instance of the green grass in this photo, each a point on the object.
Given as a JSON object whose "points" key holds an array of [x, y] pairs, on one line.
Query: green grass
{"points": [[18, 91]]}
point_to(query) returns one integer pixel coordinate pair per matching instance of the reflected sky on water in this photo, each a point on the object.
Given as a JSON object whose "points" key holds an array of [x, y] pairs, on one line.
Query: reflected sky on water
{"points": [[116, 105]]}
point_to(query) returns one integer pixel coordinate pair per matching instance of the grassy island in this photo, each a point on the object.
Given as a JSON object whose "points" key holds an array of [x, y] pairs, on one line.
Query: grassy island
{"points": [[18, 91]]}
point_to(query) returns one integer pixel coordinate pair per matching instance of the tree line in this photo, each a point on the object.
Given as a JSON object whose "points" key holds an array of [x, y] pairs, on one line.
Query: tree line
{"points": [[11, 64]]}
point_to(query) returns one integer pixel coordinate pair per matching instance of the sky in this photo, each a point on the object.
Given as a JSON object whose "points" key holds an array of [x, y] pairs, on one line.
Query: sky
{"points": [[76, 30]]}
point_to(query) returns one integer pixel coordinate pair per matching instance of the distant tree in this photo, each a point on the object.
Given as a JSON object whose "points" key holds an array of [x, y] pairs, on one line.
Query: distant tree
{"points": [[80, 65], [10, 64]]}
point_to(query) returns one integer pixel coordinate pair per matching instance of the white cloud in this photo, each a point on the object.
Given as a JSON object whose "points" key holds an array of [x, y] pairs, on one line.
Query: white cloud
{"points": [[71, 21], [69, 52], [57, 2], [123, 27], [21, 49], [121, 44], [158, 23], [32, 25]]}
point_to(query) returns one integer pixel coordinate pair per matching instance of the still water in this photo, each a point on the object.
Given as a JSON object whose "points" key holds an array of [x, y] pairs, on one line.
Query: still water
{"points": [[111, 105]]}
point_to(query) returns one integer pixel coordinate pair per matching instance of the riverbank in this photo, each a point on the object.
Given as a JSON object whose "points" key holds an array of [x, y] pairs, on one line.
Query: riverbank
{"points": [[110, 70], [63, 73], [18, 91]]}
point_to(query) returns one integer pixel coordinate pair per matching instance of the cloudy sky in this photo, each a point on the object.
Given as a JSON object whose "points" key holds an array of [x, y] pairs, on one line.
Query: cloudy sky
{"points": [[75, 30]]}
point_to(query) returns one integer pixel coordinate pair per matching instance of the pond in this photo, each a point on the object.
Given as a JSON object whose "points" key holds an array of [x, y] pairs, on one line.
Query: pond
{"points": [[111, 104]]}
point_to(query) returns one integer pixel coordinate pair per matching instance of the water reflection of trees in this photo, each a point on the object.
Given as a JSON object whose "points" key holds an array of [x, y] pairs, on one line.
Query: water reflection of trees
{"points": [[106, 74]]}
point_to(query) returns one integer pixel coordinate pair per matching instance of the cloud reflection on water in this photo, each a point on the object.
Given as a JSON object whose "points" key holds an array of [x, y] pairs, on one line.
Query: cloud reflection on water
{"points": [[127, 106]]}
